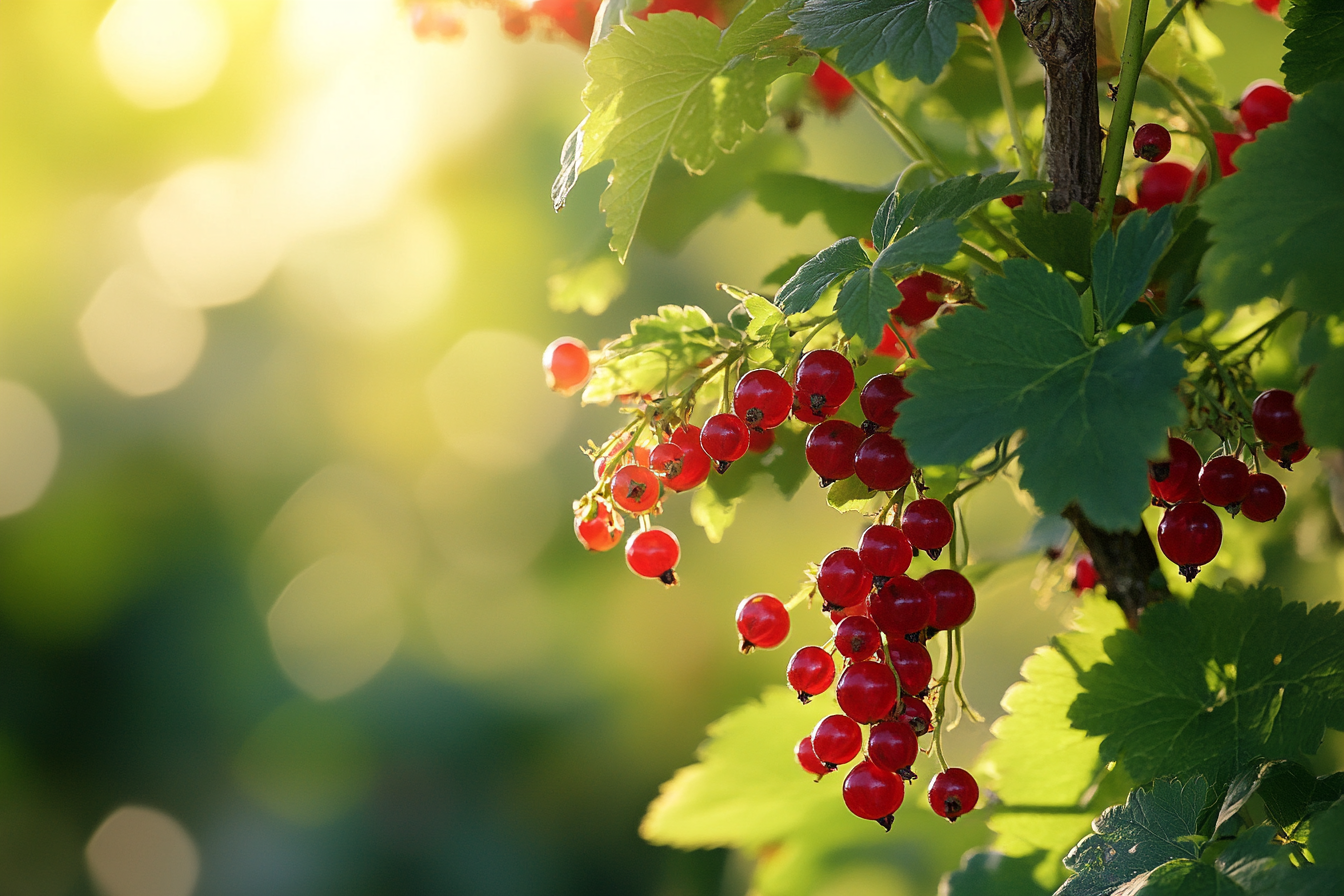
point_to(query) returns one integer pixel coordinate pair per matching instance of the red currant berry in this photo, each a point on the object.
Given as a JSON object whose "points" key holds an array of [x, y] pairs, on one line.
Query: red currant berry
{"points": [[1287, 455], [1264, 104], [695, 463], [1224, 482], [885, 551], [842, 579], [832, 88], [1177, 479], [1264, 499], [901, 607], [824, 380], [653, 553], [839, 613], [762, 622], [917, 714], [873, 794], [913, 664], [953, 598], [881, 463], [763, 399], [1013, 201], [880, 397], [866, 692], [634, 488], [893, 747], [666, 460], [621, 454], [928, 524], [1227, 144], [1162, 184], [566, 364], [811, 671], [761, 441], [857, 638], [1190, 535], [807, 758], [921, 297], [1084, 574], [603, 531], [1275, 418], [836, 740], [725, 438], [1268, 7], [1152, 142], [993, 10], [830, 449], [953, 793]]}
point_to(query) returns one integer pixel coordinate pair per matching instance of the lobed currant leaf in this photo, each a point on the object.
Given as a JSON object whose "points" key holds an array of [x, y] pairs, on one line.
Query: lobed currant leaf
{"points": [[958, 196], [805, 287], [989, 873], [1288, 790], [846, 208], [1207, 685], [1022, 362], [865, 301], [1315, 46], [1123, 261], [915, 38], [658, 351], [1062, 241], [590, 285]]}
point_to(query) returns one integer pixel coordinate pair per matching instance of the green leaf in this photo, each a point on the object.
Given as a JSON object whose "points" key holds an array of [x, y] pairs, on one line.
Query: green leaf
{"points": [[1316, 46], [1207, 685], [1322, 401], [935, 242], [847, 208], [1154, 826], [915, 38], [1022, 362], [889, 217], [1062, 241], [849, 495], [591, 286], [989, 873], [1279, 222], [1181, 877], [658, 351], [1288, 790], [958, 196], [673, 84], [1326, 839], [805, 287], [865, 302], [1123, 261], [713, 513]]}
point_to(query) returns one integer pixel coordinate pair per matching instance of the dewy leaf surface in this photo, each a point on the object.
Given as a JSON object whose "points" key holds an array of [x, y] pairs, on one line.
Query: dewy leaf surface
{"points": [[673, 84], [1122, 262], [915, 38], [1280, 220], [1316, 46], [1022, 363], [1207, 685]]}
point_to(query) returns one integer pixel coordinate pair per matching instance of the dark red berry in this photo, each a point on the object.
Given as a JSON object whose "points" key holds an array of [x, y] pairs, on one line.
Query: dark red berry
{"points": [[832, 88], [1084, 574], [993, 10], [1013, 201], [880, 397], [900, 607], [893, 746], [1152, 142], [762, 622], [566, 364], [666, 460], [872, 793], [866, 692], [831, 446], [725, 438], [1224, 482], [635, 489], [1263, 105], [1190, 535], [1227, 144], [881, 463], [695, 463], [836, 740], [824, 380], [953, 793], [653, 553], [857, 638], [917, 714], [928, 525], [1264, 499], [885, 551], [807, 758], [811, 671], [913, 664], [1177, 479], [763, 399], [1162, 184], [842, 578], [953, 597], [1275, 418], [761, 441], [602, 532], [921, 297], [1287, 455]]}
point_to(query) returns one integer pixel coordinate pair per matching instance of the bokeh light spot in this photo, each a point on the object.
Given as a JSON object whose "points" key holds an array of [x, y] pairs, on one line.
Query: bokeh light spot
{"points": [[163, 53], [139, 851], [136, 338], [30, 445]]}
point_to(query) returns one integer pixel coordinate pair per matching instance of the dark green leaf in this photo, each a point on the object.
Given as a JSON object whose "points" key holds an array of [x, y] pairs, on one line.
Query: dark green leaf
{"points": [[1252, 855], [805, 287], [890, 215], [915, 38], [1326, 840], [1288, 790], [1022, 363], [1207, 685], [1123, 260], [1280, 220], [989, 873], [1181, 877], [1322, 402], [958, 196], [1062, 241], [780, 275], [847, 208], [936, 242], [1316, 46], [865, 302]]}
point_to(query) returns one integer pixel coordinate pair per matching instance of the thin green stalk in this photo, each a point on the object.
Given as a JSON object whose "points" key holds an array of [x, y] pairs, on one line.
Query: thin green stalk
{"points": [[981, 257], [1155, 34], [956, 679], [910, 142], [942, 700], [1117, 138], [1197, 119], [1024, 159]]}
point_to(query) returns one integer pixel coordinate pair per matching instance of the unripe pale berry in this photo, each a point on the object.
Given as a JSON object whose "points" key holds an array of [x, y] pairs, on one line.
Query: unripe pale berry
{"points": [[566, 364], [603, 531]]}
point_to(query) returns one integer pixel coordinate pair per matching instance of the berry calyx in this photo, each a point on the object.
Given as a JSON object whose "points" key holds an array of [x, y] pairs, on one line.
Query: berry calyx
{"points": [[917, 715], [893, 746], [953, 597], [1224, 482], [1275, 419], [566, 364], [1162, 184], [653, 553], [857, 638], [1227, 144], [1177, 479], [807, 758], [695, 463], [724, 437], [836, 740], [928, 524], [635, 489], [823, 381], [842, 579], [666, 460], [1264, 499], [900, 607], [1263, 104], [762, 622], [885, 551], [913, 664], [866, 692], [1152, 142], [1287, 455], [1190, 535], [873, 794], [880, 397], [762, 399], [921, 297], [1084, 574], [832, 88], [881, 463], [811, 671], [830, 450], [953, 793]]}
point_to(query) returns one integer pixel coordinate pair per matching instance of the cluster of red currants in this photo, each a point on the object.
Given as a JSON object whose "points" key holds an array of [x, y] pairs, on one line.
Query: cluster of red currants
{"points": [[1190, 533]]}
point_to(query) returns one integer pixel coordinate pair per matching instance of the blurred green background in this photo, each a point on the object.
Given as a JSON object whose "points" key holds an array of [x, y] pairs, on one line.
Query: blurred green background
{"points": [[289, 600]]}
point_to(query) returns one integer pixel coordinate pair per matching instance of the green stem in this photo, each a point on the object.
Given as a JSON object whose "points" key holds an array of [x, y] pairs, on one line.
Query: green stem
{"points": [[956, 680], [1024, 159], [802, 347], [910, 142], [1265, 328], [942, 701], [1197, 119], [1117, 138], [688, 397], [981, 257], [1155, 34]]}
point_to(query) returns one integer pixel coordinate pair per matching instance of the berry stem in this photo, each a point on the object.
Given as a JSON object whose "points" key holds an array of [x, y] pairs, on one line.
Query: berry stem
{"points": [[807, 339], [981, 257], [956, 680], [905, 138], [688, 397], [1024, 159], [941, 705], [1117, 137], [1155, 34]]}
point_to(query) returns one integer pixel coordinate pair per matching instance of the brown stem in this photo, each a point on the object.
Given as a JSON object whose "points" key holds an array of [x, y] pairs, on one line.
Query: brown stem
{"points": [[1126, 563]]}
